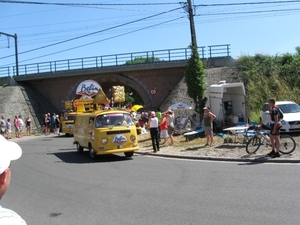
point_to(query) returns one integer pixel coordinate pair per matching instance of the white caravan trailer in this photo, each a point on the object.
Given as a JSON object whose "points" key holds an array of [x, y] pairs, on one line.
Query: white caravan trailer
{"points": [[228, 103]]}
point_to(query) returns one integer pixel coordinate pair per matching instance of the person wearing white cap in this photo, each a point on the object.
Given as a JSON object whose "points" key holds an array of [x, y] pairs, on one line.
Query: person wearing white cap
{"points": [[8, 151]]}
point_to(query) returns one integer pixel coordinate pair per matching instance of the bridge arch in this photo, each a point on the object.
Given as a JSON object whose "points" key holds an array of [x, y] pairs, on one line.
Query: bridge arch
{"points": [[108, 80]]}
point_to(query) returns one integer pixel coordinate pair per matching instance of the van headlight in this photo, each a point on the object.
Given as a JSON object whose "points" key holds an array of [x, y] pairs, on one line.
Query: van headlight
{"points": [[132, 138], [104, 141]]}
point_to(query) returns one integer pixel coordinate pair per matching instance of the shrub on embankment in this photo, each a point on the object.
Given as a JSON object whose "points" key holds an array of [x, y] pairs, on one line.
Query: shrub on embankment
{"points": [[267, 76]]}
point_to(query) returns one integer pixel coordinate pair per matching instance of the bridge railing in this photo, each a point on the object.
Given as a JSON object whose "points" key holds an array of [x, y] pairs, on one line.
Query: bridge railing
{"points": [[116, 60]]}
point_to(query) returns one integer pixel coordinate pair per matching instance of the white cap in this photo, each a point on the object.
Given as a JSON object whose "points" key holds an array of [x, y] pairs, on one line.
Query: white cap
{"points": [[8, 151]]}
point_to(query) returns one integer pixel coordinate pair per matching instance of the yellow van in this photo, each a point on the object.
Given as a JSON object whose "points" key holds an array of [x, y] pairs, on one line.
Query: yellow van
{"points": [[105, 132], [68, 119], [67, 123]]}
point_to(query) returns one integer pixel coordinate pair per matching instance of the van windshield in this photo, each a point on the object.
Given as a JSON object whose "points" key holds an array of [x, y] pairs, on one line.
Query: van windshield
{"points": [[114, 119], [70, 117]]}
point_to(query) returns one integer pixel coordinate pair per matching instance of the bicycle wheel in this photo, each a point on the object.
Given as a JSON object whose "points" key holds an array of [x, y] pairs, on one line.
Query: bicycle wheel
{"points": [[287, 144], [253, 145]]}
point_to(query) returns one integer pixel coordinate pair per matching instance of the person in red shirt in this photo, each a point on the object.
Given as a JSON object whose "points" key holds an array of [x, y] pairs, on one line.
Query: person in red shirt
{"points": [[164, 128]]}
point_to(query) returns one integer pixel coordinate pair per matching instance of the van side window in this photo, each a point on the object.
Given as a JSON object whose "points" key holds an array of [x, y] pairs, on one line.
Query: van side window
{"points": [[128, 119]]}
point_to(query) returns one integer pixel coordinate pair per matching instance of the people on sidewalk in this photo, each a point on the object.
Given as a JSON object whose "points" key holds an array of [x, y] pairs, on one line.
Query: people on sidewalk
{"points": [[21, 124], [158, 114], [46, 124], [163, 125], [53, 123], [170, 118], [208, 127], [28, 126], [17, 126], [8, 129], [153, 125], [2, 126], [275, 129], [57, 125]]}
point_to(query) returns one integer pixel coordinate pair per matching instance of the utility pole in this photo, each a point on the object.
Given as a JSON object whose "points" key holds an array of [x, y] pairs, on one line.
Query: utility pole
{"points": [[16, 50], [192, 24]]}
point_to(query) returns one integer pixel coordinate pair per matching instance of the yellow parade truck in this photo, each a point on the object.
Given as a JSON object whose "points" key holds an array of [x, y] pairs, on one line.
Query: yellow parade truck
{"points": [[71, 110], [105, 131]]}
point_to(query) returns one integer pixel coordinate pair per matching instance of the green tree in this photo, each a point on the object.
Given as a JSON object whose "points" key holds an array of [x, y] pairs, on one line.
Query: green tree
{"points": [[270, 76], [141, 60], [132, 97], [195, 80]]}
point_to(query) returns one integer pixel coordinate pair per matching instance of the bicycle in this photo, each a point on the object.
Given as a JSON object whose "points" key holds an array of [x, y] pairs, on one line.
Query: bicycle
{"points": [[261, 137]]}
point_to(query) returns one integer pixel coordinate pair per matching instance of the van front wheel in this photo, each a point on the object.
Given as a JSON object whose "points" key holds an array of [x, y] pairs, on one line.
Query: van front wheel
{"points": [[128, 154], [92, 152], [79, 148]]}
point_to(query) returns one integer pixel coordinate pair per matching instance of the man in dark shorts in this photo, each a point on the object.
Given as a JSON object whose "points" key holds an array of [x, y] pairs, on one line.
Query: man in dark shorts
{"points": [[275, 127]]}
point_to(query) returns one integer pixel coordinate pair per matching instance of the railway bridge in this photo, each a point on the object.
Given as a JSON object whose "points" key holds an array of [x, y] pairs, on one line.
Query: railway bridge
{"points": [[152, 74]]}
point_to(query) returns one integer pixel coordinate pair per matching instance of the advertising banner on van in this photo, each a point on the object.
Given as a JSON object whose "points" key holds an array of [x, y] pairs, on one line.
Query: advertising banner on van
{"points": [[88, 88]]}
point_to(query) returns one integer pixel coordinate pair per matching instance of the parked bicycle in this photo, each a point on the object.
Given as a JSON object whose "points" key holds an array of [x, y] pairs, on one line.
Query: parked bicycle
{"points": [[261, 137]]}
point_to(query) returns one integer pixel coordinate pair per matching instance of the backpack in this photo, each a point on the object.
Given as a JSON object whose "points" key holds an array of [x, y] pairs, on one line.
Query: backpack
{"points": [[280, 115]]}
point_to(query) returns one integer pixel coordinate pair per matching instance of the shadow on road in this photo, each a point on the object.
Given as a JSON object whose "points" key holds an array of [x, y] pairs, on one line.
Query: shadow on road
{"points": [[74, 157]]}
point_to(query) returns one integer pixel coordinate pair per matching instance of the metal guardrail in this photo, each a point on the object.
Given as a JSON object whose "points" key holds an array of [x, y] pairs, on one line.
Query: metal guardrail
{"points": [[135, 58]]}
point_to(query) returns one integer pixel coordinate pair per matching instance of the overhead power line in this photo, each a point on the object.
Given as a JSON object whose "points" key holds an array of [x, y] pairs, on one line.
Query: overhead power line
{"points": [[84, 4], [80, 46], [82, 36], [231, 9], [248, 3], [250, 12]]}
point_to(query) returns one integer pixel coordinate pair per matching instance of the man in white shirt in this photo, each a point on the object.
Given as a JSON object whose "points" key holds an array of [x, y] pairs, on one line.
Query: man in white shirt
{"points": [[8, 151]]}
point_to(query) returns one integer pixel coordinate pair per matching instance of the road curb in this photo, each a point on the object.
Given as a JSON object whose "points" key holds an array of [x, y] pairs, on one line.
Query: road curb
{"points": [[260, 160]]}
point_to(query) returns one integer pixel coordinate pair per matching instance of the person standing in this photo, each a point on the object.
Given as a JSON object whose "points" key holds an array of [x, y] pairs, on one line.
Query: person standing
{"points": [[2, 125], [9, 151], [208, 127], [46, 123], [158, 114], [28, 126], [17, 126], [153, 124], [57, 124], [163, 125], [170, 117], [8, 129], [53, 123], [21, 124], [275, 128]]}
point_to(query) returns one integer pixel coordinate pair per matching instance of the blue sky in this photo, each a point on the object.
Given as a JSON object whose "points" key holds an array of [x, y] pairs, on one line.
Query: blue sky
{"points": [[249, 28]]}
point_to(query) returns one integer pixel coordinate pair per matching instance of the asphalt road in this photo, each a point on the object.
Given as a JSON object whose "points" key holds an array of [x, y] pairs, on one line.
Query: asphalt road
{"points": [[52, 184]]}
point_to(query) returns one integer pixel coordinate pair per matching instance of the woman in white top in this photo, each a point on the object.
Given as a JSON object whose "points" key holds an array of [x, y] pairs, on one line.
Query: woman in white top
{"points": [[153, 124]]}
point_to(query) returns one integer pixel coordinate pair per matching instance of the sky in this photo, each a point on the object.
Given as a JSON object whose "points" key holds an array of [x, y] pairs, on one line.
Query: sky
{"points": [[78, 29]]}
